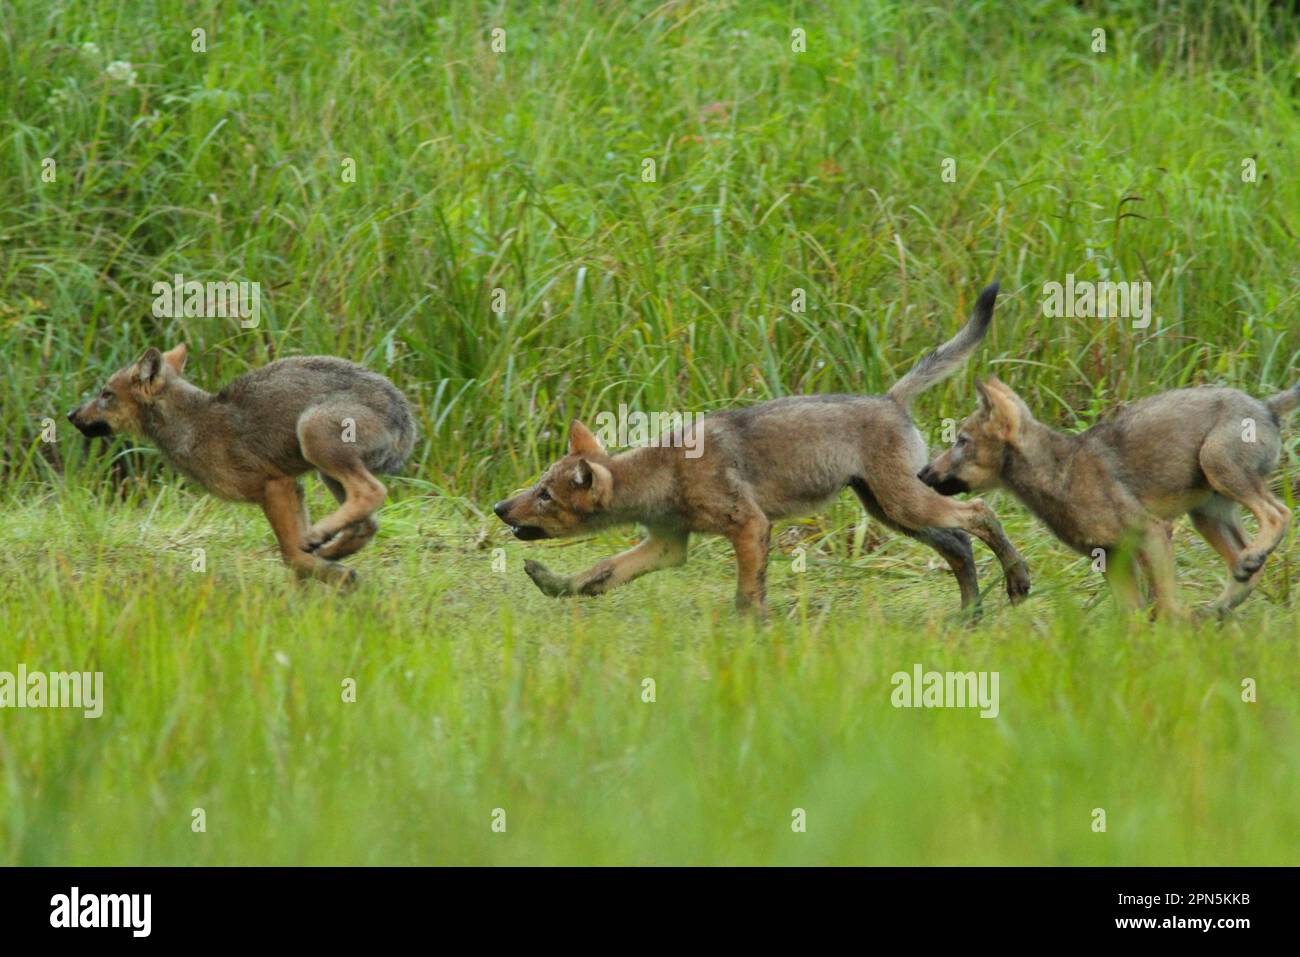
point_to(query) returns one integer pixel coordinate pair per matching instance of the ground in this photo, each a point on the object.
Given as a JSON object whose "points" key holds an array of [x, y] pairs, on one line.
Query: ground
{"points": [[224, 690]]}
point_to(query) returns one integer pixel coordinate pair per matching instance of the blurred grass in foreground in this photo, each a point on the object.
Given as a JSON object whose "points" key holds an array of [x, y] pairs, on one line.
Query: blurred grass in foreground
{"points": [[224, 692]]}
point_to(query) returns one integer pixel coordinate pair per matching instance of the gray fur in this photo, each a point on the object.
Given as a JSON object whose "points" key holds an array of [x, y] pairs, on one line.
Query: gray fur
{"points": [[1194, 451], [950, 356], [250, 441], [785, 457]]}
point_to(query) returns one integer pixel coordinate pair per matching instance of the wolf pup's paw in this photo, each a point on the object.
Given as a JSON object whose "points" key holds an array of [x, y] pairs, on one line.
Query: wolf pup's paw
{"points": [[551, 584], [1214, 611], [315, 538], [1248, 565], [1018, 583]]}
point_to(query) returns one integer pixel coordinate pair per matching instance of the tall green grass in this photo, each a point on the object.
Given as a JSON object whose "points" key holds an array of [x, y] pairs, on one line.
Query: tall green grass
{"points": [[521, 171]]}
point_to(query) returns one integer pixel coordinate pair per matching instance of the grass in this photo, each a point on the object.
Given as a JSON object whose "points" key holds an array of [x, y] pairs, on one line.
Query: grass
{"points": [[224, 691], [521, 172]]}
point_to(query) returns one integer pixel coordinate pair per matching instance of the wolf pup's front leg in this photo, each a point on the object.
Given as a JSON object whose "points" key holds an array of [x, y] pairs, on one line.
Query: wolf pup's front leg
{"points": [[551, 584], [751, 538], [660, 549], [282, 502]]}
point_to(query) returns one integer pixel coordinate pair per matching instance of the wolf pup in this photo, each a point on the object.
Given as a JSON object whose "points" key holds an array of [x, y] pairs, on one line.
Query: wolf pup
{"points": [[251, 441], [1196, 451], [783, 457]]}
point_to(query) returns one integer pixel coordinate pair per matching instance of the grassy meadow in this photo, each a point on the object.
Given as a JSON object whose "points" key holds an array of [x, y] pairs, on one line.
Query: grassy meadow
{"points": [[479, 225]]}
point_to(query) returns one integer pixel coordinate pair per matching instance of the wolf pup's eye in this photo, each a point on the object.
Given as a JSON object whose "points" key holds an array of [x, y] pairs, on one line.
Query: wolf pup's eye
{"points": [[106, 396], [544, 495]]}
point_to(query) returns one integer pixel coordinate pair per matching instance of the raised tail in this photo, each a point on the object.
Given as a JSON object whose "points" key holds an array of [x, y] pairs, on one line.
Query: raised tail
{"points": [[1284, 402], [950, 356]]}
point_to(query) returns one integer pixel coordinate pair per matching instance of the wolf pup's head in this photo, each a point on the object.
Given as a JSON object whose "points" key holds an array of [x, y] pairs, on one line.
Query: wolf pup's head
{"points": [[976, 461], [570, 498], [120, 406]]}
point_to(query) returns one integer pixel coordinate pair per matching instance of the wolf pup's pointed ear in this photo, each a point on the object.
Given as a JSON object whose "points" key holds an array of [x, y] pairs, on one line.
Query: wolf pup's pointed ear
{"points": [[582, 474], [175, 357], [148, 371], [982, 390], [582, 441], [1003, 411], [597, 478]]}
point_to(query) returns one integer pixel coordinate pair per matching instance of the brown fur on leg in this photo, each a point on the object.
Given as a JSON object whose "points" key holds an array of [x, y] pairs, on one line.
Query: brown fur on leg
{"points": [[1156, 554], [660, 549], [1218, 524], [752, 541], [320, 432], [909, 502], [951, 543], [282, 501]]}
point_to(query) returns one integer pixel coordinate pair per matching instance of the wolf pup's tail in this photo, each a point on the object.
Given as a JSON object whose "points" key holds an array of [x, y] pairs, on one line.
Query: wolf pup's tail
{"points": [[1284, 402], [950, 356]]}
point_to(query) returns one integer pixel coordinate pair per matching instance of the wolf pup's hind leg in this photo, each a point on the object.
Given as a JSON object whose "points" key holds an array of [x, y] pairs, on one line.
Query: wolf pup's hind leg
{"points": [[751, 537], [1242, 482], [1218, 524], [336, 440], [354, 537], [908, 502], [953, 544]]}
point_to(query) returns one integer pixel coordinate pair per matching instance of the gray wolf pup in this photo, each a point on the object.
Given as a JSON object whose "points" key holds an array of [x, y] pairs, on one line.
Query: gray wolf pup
{"points": [[783, 457], [1197, 451], [250, 442]]}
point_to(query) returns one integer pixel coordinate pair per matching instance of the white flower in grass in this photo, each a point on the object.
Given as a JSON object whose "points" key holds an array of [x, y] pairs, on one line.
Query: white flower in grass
{"points": [[90, 49], [61, 97], [119, 71]]}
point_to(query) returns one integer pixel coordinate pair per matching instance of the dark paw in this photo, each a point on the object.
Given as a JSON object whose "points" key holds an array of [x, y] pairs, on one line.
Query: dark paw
{"points": [[328, 573], [1247, 566], [315, 538], [751, 608], [550, 584], [1212, 612], [1018, 584]]}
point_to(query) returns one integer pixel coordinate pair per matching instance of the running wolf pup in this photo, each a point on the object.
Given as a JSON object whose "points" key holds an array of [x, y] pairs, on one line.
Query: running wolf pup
{"points": [[1198, 451], [779, 458], [250, 442]]}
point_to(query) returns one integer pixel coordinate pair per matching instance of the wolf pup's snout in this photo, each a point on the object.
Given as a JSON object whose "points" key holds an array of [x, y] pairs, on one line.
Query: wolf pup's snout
{"points": [[91, 430], [942, 485], [523, 532]]}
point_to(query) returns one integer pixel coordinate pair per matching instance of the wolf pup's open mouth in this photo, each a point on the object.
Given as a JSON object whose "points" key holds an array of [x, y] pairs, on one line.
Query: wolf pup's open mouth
{"points": [[528, 533], [95, 430]]}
